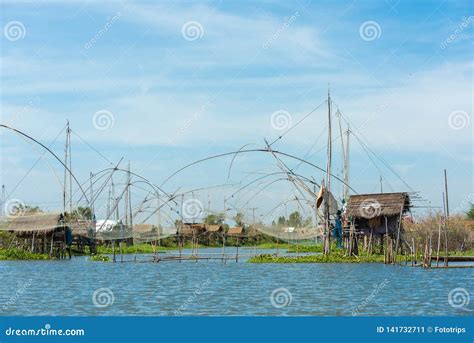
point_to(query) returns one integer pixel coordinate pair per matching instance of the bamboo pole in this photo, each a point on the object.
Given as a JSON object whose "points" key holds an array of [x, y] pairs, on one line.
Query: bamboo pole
{"points": [[439, 243], [277, 245], [33, 243], [51, 245], [398, 234], [369, 249], [223, 245], [237, 253]]}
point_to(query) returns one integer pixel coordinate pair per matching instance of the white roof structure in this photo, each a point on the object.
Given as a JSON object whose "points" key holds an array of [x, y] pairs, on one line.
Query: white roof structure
{"points": [[105, 225]]}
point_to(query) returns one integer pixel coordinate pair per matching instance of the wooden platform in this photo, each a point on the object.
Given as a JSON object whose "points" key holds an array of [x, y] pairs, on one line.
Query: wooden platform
{"points": [[455, 258]]}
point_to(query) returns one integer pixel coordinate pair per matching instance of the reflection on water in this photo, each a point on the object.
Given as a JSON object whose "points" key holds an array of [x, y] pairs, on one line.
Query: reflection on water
{"points": [[82, 287]]}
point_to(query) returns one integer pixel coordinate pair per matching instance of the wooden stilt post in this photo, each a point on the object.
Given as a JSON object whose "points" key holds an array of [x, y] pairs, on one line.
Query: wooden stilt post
{"points": [[398, 235], [446, 217], [237, 254], [430, 253], [439, 242], [51, 245], [371, 241], [277, 245], [33, 243]]}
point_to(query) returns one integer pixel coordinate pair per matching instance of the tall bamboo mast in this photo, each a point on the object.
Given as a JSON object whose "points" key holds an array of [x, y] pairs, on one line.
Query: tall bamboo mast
{"points": [[327, 241], [129, 200], [66, 150], [346, 166], [70, 166], [446, 219], [2, 209], [91, 205]]}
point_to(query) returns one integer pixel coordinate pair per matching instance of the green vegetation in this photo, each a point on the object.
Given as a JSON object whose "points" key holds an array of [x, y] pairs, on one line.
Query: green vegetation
{"points": [[100, 258], [470, 213], [307, 248], [79, 213], [469, 252], [142, 248], [214, 219], [295, 219], [19, 254], [335, 257]]}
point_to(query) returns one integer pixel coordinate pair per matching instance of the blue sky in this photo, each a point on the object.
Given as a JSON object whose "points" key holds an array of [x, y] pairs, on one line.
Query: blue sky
{"points": [[405, 83]]}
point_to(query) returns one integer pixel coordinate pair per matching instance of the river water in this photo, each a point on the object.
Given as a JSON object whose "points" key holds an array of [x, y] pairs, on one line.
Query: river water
{"points": [[83, 287]]}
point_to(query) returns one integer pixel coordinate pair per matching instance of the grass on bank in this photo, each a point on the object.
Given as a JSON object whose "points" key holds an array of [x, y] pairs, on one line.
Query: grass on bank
{"points": [[100, 258], [334, 257], [19, 254], [142, 248]]}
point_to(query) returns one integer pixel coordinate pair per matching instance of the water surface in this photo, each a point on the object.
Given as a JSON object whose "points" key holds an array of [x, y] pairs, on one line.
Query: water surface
{"points": [[213, 288]]}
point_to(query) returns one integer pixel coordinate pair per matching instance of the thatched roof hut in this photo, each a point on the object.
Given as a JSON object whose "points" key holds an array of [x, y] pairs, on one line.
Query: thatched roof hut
{"points": [[81, 227], [142, 228], [379, 204], [235, 231], [214, 228], [145, 232], [378, 213], [30, 223], [190, 229]]}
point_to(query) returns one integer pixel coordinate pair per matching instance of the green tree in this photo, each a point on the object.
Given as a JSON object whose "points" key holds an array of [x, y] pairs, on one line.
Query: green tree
{"points": [[282, 221], [214, 219], [470, 213], [25, 209], [84, 212], [239, 219], [295, 219], [307, 222], [80, 213]]}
